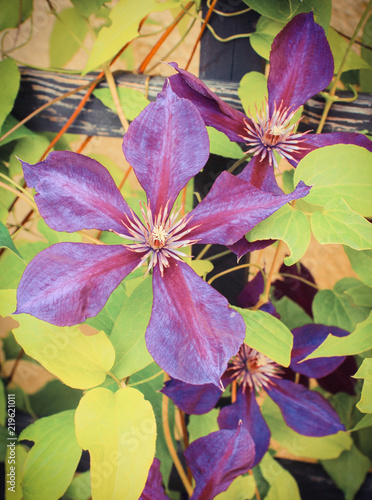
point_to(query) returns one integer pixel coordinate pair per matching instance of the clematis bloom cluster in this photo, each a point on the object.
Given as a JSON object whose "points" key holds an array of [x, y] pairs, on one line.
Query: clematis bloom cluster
{"points": [[192, 332]]}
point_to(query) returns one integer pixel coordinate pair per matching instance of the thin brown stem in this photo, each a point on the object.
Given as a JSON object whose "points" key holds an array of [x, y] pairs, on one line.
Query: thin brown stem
{"points": [[115, 97]]}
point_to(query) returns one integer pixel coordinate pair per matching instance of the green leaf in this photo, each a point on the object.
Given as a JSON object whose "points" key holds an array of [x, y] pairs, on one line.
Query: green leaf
{"points": [[336, 307], [132, 101], [253, 91], [201, 267], [338, 223], [348, 471], [79, 488], [242, 488], [119, 430], [201, 425], [338, 46], [262, 39], [16, 492], [80, 361], [52, 461], [365, 372], [68, 34], [10, 13], [288, 225], [9, 123], [339, 171], [291, 314], [28, 149], [365, 76], [282, 483], [303, 446], [125, 17], [6, 240], [11, 267], [358, 341], [9, 80], [55, 397], [88, 7], [281, 10], [53, 237], [106, 318], [128, 333], [366, 421], [267, 335], [361, 262], [3, 404], [222, 146]]}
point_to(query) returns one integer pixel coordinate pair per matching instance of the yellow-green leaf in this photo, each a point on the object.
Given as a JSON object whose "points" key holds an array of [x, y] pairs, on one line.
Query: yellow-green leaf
{"points": [[125, 17], [52, 461], [14, 491], [358, 341], [80, 361], [9, 80], [242, 488], [338, 223], [132, 101], [222, 146], [119, 431], [253, 91], [288, 225], [282, 483], [8, 302], [365, 372], [338, 46], [201, 267], [268, 335], [339, 171]]}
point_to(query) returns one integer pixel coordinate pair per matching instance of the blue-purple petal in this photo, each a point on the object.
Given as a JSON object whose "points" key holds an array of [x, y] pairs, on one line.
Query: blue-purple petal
{"points": [[214, 111], [233, 207], [243, 246], [153, 488], [301, 63], [305, 411], [69, 282], [217, 459], [341, 379], [246, 410], [167, 145], [192, 333], [261, 175], [75, 192], [192, 399], [305, 340]]}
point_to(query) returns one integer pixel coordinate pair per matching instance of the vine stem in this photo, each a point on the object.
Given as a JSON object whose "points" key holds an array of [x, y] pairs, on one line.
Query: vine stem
{"points": [[232, 269], [115, 97], [330, 97], [169, 441]]}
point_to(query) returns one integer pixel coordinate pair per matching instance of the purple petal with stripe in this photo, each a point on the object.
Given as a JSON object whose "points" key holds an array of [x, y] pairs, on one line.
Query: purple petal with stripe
{"points": [[314, 141], [153, 488], [192, 332], [217, 459], [194, 399], [306, 412], [214, 111], [246, 410], [167, 145], [242, 246], [301, 63], [69, 282], [233, 207], [75, 192], [305, 340], [341, 379], [261, 175]]}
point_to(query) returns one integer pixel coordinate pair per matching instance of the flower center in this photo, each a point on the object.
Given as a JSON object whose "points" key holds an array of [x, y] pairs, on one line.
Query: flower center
{"points": [[159, 237], [273, 133], [252, 369]]}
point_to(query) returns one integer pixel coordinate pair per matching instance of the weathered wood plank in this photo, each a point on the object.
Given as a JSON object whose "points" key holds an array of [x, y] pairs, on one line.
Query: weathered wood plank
{"points": [[39, 87]]}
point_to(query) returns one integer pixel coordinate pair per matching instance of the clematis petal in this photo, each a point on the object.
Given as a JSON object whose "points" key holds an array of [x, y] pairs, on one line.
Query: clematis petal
{"points": [[75, 192], [341, 379], [301, 63], [69, 282], [306, 412], [217, 459], [246, 410], [192, 332], [192, 399], [242, 246], [311, 142], [251, 293], [233, 207], [214, 111], [153, 488], [305, 340], [261, 175], [167, 145]]}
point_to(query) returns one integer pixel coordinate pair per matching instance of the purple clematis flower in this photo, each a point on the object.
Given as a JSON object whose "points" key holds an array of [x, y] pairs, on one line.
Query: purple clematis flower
{"points": [[305, 411], [153, 488], [192, 332], [301, 65]]}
